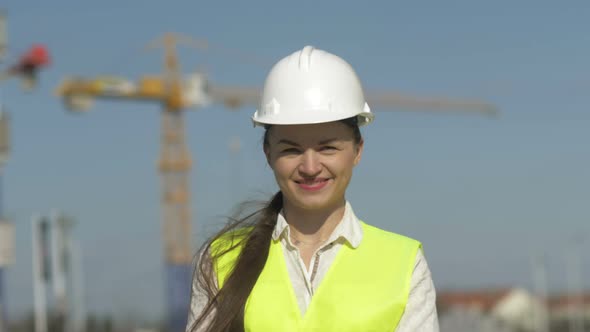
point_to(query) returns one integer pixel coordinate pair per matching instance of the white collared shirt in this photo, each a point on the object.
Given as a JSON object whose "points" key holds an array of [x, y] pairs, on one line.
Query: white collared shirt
{"points": [[420, 312]]}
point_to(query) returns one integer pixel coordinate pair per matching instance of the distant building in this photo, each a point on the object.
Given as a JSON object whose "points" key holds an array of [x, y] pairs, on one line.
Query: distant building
{"points": [[459, 319], [565, 307], [493, 310]]}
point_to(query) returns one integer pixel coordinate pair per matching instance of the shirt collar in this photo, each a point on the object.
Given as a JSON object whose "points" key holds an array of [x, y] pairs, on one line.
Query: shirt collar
{"points": [[348, 229]]}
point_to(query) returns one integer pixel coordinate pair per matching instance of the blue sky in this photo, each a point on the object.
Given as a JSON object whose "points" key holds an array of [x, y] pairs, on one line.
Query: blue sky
{"points": [[481, 194]]}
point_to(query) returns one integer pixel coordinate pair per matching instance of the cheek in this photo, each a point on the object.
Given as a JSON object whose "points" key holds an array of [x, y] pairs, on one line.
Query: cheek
{"points": [[346, 166], [282, 168]]}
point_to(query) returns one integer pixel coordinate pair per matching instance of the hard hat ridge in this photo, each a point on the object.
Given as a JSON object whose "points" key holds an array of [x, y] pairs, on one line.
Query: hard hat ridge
{"points": [[305, 57]]}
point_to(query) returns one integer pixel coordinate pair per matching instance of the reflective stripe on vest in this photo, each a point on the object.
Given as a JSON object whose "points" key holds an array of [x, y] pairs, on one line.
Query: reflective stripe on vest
{"points": [[365, 289]]}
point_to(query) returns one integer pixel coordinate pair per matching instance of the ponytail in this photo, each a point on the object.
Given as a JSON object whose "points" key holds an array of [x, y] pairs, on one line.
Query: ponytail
{"points": [[229, 301]]}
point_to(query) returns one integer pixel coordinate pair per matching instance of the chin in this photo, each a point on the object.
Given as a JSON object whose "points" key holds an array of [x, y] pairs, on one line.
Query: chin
{"points": [[312, 206], [313, 202]]}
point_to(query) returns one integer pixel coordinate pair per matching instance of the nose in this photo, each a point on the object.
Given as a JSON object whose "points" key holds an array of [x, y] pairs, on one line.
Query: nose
{"points": [[310, 165]]}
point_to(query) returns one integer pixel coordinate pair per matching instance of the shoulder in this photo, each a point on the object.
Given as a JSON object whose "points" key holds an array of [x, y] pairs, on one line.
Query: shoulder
{"points": [[389, 244], [386, 237], [226, 248], [230, 239]]}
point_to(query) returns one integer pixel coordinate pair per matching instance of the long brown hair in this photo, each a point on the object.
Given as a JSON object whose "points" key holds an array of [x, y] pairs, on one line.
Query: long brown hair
{"points": [[226, 305]]}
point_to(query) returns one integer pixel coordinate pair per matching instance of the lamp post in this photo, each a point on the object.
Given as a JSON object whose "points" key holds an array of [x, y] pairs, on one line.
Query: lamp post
{"points": [[6, 228]]}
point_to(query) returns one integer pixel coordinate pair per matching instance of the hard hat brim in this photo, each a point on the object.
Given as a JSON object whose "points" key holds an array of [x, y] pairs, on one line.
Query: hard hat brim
{"points": [[364, 118]]}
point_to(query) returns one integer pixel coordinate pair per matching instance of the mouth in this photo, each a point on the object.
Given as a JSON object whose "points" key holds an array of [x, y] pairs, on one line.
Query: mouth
{"points": [[312, 184]]}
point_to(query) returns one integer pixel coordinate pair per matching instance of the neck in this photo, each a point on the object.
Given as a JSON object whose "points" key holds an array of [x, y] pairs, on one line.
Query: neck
{"points": [[313, 225]]}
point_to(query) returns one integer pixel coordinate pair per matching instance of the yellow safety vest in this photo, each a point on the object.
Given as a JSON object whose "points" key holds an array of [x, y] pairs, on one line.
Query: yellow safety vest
{"points": [[365, 289]]}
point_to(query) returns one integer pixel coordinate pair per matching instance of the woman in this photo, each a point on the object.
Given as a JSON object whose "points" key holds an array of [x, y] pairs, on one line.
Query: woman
{"points": [[305, 262]]}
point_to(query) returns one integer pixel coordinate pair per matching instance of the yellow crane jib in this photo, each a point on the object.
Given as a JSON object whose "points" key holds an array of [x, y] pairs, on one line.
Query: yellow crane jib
{"points": [[78, 93]]}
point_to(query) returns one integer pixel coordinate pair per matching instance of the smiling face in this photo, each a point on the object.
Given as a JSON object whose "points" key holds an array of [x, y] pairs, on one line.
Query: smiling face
{"points": [[313, 163]]}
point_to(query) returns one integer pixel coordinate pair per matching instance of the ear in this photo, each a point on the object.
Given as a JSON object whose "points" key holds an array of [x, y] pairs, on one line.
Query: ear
{"points": [[359, 152], [266, 150]]}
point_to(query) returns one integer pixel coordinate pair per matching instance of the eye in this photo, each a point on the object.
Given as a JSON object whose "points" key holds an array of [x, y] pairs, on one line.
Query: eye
{"points": [[328, 148], [290, 150]]}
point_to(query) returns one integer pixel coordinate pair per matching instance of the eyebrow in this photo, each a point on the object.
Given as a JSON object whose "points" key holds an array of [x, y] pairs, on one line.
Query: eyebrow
{"points": [[286, 141], [326, 141]]}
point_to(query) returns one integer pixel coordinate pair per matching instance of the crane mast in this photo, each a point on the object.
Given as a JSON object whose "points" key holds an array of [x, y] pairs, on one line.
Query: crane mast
{"points": [[174, 166]]}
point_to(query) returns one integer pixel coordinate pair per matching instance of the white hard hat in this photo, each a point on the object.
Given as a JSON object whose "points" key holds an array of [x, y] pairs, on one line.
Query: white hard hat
{"points": [[311, 86]]}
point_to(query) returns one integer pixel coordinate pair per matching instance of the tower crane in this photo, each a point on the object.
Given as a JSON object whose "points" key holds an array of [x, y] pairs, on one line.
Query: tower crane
{"points": [[176, 94]]}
